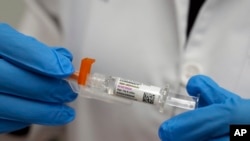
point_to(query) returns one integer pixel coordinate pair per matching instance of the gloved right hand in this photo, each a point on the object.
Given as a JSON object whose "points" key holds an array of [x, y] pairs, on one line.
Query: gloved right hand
{"points": [[32, 85], [218, 108]]}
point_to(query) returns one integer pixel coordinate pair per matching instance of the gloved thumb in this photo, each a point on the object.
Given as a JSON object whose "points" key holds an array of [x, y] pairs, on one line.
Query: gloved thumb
{"points": [[209, 91]]}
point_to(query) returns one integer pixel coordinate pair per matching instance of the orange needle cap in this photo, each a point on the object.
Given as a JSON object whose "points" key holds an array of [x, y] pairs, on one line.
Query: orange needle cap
{"points": [[85, 70]]}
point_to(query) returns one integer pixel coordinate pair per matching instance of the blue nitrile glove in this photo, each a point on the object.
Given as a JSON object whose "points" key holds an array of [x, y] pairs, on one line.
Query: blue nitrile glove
{"points": [[218, 108], [32, 89]]}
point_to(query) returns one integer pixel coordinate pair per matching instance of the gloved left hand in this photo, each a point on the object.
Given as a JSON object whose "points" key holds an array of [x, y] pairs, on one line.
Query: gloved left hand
{"points": [[32, 85], [218, 108]]}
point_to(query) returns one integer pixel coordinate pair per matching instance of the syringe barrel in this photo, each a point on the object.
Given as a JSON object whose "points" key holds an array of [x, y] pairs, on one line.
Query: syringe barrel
{"points": [[132, 90]]}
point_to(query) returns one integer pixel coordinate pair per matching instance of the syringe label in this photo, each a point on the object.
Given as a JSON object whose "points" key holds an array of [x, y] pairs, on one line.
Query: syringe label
{"points": [[125, 88], [136, 91]]}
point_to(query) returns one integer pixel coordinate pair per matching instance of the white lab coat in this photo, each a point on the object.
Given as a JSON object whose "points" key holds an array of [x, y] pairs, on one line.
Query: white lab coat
{"points": [[144, 40]]}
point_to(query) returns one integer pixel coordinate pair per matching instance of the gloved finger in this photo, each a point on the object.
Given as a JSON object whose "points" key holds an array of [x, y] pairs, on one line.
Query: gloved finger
{"points": [[21, 83], [63, 51], [209, 91], [28, 53], [24, 110], [197, 125], [8, 125], [223, 138]]}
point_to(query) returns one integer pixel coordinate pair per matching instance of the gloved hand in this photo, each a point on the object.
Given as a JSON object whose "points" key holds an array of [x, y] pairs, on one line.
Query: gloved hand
{"points": [[32, 89], [218, 108]]}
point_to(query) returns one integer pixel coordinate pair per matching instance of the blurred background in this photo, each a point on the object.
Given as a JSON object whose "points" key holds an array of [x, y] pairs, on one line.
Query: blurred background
{"points": [[11, 11]]}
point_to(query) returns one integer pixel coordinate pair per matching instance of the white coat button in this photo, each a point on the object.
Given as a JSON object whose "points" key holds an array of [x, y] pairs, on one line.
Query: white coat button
{"points": [[188, 70]]}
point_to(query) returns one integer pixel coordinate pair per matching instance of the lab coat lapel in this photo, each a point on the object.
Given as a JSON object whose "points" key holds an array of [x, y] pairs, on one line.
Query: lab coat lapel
{"points": [[181, 11]]}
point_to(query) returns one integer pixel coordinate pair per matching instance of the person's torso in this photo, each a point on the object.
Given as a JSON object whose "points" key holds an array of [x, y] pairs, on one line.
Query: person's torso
{"points": [[145, 41]]}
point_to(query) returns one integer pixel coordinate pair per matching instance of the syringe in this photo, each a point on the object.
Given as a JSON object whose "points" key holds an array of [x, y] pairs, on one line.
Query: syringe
{"points": [[110, 88]]}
